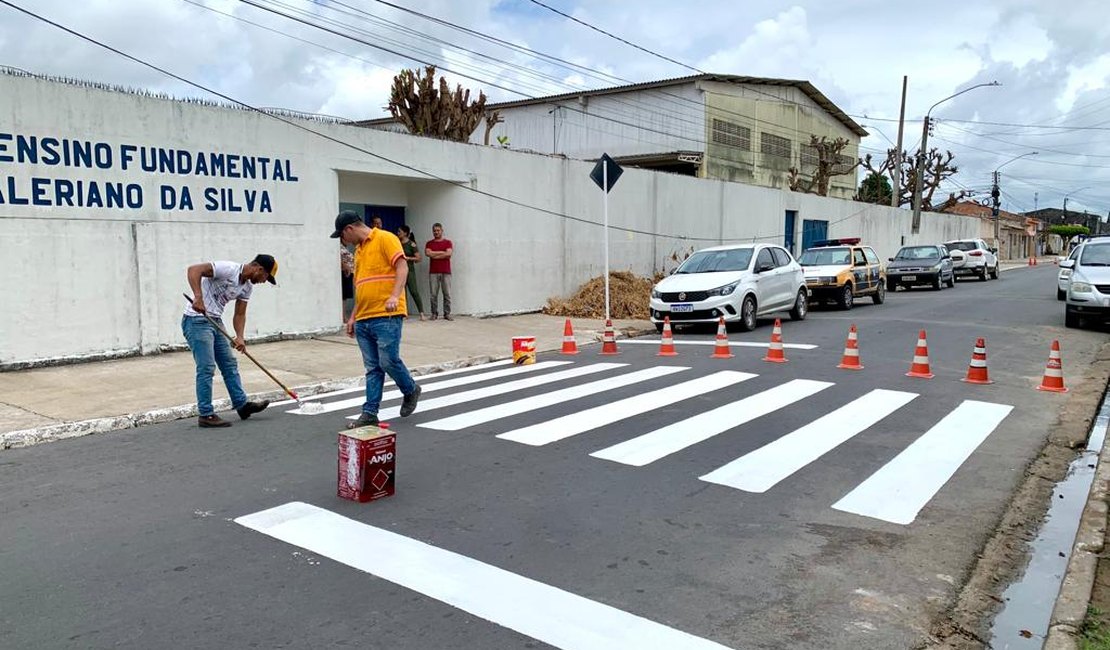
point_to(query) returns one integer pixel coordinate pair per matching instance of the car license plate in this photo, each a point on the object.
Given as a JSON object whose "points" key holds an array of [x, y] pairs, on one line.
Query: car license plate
{"points": [[909, 277], [686, 307]]}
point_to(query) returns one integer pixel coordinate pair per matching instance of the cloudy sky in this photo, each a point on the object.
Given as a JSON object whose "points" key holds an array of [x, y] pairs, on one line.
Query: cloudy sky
{"points": [[1052, 59]]}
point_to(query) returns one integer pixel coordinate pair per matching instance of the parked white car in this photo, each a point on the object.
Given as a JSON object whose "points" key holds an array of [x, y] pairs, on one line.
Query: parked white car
{"points": [[1089, 289], [976, 258], [1063, 278], [739, 283]]}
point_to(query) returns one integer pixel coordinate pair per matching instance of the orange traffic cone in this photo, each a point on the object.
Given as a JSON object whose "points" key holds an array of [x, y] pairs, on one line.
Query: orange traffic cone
{"points": [[977, 369], [850, 360], [722, 350], [1053, 379], [920, 365], [775, 352], [609, 340], [666, 343], [570, 346]]}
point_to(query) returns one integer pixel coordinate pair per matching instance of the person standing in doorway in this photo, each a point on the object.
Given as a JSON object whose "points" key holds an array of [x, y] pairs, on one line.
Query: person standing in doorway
{"points": [[376, 222], [347, 280], [412, 254], [439, 251], [214, 285], [380, 275]]}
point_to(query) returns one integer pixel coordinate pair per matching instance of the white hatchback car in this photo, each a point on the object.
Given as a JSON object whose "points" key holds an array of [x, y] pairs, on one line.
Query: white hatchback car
{"points": [[739, 283]]}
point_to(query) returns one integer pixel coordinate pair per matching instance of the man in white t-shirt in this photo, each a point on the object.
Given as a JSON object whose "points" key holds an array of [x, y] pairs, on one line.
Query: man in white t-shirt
{"points": [[214, 285]]}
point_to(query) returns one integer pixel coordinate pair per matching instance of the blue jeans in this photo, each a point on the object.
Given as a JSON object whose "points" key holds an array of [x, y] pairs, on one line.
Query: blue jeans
{"points": [[212, 350], [379, 339]]}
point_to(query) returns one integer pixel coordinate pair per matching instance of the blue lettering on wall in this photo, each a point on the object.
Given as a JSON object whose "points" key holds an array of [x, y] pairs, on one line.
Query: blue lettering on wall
{"points": [[45, 151]]}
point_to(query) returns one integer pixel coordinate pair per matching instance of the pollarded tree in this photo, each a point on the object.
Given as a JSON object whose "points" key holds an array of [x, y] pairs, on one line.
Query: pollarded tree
{"points": [[434, 110]]}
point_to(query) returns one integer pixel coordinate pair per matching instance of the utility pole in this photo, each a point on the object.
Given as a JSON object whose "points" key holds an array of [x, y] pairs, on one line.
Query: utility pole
{"points": [[920, 167], [920, 162], [996, 195], [896, 195]]}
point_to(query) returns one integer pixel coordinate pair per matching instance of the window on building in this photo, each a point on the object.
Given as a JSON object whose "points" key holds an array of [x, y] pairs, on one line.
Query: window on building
{"points": [[773, 145], [809, 155], [732, 135], [843, 164]]}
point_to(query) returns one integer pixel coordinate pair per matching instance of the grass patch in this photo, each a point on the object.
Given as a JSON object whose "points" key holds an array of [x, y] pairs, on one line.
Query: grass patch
{"points": [[1095, 634]]}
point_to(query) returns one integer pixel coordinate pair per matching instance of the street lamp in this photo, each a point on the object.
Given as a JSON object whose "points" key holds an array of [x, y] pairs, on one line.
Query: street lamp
{"points": [[998, 200], [924, 148]]}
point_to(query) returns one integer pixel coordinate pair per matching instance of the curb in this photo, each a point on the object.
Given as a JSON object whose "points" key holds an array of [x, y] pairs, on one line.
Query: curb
{"points": [[65, 430], [1072, 601]]}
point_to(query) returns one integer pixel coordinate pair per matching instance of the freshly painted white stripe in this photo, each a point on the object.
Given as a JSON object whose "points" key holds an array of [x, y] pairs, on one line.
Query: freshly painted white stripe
{"points": [[534, 609], [389, 382], [735, 344], [650, 447], [761, 469], [345, 404], [575, 423], [498, 389], [902, 487], [498, 411]]}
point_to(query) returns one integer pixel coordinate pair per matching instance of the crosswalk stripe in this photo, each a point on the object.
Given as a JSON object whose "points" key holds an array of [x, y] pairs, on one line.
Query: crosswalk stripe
{"points": [[576, 423], [498, 411], [761, 469], [901, 488], [650, 447], [498, 389], [359, 389], [548, 614], [342, 405], [735, 344]]}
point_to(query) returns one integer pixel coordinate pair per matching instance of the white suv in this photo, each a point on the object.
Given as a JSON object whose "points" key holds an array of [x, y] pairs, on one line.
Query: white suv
{"points": [[973, 257], [1089, 286], [736, 282]]}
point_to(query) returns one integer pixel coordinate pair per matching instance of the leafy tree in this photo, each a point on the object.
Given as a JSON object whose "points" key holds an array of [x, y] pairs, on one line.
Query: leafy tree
{"points": [[1067, 232], [875, 188]]}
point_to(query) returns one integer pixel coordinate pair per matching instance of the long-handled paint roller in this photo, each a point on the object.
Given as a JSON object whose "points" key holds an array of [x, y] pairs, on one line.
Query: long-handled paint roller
{"points": [[307, 407]]}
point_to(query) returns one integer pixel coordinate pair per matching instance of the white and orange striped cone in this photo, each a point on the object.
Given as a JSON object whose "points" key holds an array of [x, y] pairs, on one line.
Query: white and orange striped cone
{"points": [[977, 369], [570, 346], [1053, 379], [920, 366], [609, 340], [666, 343], [775, 353], [850, 360], [722, 349]]}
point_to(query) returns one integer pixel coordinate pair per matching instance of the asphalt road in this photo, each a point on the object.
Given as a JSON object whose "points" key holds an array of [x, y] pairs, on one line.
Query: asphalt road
{"points": [[130, 540]]}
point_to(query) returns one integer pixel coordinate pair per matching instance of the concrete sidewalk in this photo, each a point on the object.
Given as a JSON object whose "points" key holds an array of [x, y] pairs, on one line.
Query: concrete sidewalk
{"points": [[44, 404]]}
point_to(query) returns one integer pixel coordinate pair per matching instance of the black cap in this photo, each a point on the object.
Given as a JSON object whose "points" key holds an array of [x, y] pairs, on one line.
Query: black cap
{"points": [[269, 264], [345, 218]]}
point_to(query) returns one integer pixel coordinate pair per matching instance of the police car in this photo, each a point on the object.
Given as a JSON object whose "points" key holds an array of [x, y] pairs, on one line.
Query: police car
{"points": [[843, 270]]}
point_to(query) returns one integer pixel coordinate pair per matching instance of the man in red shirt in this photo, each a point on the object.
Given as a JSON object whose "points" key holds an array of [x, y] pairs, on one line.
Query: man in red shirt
{"points": [[439, 252]]}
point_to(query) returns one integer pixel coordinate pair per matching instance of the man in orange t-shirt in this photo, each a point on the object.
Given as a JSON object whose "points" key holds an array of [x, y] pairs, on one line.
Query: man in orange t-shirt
{"points": [[380, 274]]}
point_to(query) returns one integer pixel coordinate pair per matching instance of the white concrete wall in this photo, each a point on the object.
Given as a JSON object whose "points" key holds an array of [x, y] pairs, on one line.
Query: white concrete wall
{"points": [[87, 282]]}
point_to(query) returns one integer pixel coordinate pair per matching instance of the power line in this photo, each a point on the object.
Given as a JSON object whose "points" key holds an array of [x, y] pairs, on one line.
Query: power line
{"points": [[378, 156], [595, 114], [614, 36], [986, 123]]}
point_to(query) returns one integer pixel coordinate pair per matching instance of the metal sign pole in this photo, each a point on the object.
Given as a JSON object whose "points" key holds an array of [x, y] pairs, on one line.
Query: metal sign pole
{"points": [[605, 193]]}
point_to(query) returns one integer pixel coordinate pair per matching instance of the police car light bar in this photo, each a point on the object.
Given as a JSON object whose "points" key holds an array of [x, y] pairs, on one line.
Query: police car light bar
{"points": [[850, 241]]}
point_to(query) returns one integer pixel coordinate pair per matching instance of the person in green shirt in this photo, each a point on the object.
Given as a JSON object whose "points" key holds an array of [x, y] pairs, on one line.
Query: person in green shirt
{"points": [[412, 254]]}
